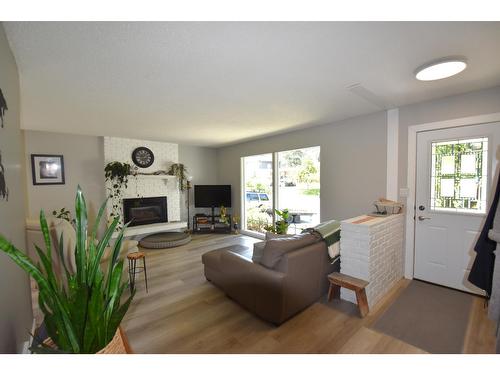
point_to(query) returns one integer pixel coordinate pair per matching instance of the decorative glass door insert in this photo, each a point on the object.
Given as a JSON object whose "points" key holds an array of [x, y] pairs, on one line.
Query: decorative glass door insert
{"points": [[459, 176]]}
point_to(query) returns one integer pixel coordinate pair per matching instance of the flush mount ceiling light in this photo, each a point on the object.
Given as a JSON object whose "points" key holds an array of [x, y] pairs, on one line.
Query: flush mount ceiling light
{"points": [[440, 69]]}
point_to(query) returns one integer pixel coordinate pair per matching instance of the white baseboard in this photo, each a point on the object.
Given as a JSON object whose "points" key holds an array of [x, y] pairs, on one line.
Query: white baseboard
{"points": [[27, 344]]}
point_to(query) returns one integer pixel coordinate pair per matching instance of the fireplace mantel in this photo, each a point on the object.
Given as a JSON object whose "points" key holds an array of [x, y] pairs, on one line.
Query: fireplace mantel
{"points": [[162, 177]]}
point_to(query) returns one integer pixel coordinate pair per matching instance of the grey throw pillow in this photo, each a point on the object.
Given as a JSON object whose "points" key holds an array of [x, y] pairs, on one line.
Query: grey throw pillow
{"points": [[276, 248], [258, 251], [258, 247]]}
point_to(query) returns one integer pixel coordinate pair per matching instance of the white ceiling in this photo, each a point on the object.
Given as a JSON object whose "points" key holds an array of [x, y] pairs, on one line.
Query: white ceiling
{"points": [[215, 83]]}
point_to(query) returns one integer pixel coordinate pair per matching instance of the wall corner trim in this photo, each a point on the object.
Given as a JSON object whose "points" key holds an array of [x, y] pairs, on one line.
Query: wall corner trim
{"points": [[392, 153]]}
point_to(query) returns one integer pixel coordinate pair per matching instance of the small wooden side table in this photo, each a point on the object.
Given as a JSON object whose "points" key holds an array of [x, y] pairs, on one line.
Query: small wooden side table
{"points": [[133, 269], [338, 280]]}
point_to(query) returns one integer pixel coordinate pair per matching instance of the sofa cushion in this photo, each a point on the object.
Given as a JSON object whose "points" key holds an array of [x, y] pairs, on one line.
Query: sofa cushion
{"points": [[276, 248]]}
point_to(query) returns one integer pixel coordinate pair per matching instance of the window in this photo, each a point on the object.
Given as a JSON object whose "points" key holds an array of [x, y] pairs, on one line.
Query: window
{"points": [[459, 175], [258, 182], [265, 164], [297, 189], [252, 197]]}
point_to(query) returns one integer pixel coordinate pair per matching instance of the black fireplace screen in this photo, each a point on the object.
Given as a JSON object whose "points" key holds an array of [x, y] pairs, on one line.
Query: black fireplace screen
{"points": [[141, 211]]}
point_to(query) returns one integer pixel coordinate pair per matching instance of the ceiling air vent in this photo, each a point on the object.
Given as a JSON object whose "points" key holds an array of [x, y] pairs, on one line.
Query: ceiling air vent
{"points": [[370, 97]]}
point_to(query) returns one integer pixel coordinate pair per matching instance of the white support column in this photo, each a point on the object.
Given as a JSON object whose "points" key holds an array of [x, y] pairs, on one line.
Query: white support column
{"points": [[392, 153]]}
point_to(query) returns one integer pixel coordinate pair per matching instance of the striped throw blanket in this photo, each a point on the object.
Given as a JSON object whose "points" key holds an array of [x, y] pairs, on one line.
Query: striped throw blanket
{"points": [[330, 233]]}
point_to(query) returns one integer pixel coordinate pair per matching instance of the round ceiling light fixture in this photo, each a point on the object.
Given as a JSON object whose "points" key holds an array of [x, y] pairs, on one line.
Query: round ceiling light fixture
{"points": [[439, 69]]}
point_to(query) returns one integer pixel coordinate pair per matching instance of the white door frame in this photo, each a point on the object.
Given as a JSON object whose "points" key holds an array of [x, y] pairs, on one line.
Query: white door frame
{"points": [[243, 202], [411, 174]]}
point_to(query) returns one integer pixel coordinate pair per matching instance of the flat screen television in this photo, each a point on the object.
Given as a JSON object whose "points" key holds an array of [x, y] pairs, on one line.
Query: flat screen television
{"points": [[208, 196]]}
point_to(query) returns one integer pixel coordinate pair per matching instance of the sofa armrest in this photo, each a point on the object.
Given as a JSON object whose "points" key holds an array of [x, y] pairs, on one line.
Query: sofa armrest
{"points": [[305, 275], [254, 286], [238, 265], [230, 259], [237, 278], [269, 287]]}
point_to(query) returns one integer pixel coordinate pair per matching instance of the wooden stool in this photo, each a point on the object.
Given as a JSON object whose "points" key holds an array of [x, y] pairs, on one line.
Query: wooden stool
{"points": [[338, 280], [133, 268]]}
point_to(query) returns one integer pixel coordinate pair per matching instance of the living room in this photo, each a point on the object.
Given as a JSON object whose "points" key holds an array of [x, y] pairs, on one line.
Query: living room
{"points": [[244, 188]]}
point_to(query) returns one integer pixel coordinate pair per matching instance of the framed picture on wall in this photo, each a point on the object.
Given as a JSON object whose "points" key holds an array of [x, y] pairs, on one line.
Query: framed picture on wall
{"points": [[47, 169]]}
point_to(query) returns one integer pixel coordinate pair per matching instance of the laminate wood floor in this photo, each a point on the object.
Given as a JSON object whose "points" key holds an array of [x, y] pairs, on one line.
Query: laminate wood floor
{"points": [[184, 313]]}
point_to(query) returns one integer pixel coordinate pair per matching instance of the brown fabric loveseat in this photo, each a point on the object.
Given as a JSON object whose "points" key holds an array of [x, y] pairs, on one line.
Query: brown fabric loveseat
{"points": [[297, 279]]}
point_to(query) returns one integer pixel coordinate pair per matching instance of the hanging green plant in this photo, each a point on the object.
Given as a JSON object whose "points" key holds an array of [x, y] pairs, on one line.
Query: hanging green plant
{"points": [[117, 175], [118, 172], [180, 171]]}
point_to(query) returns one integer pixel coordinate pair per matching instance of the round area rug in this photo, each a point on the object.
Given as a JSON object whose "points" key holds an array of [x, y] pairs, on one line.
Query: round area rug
{"points": [[165, 240]]}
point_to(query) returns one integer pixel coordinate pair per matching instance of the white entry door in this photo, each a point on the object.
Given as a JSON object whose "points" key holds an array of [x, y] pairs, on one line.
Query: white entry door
{"points": [[455, 174]]}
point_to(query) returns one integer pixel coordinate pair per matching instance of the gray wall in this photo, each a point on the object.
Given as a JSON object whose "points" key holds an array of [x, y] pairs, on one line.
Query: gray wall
{"points": [[83, 165], [201, 163], [353, 152], [15, 301], [84, 161], [353, 162], [470, 104]]}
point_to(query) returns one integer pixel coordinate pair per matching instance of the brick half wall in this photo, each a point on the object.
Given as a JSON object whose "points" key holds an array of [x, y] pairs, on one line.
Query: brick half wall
{"points": [[372, 249]]}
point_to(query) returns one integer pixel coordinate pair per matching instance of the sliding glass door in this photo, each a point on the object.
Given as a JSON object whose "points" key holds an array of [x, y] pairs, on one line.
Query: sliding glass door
{"points": [[258, 192], [297, 189]]}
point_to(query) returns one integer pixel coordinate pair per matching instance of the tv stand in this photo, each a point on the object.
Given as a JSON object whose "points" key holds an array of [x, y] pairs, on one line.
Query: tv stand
{"points": [[203, 223]]}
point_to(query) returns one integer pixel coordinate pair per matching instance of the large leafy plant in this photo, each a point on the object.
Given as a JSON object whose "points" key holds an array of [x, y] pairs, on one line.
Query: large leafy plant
{"points": [[282, 222], [82, 310]]}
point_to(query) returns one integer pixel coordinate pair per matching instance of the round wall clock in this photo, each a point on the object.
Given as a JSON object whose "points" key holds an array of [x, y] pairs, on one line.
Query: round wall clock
{"points": [[143, 157]]}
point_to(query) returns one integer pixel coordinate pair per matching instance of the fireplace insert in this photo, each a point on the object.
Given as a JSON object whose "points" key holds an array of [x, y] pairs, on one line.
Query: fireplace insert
{"points": [[142, 211]]}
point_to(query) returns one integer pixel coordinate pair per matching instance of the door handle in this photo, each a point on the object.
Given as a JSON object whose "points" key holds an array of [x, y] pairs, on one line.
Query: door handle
{"points": [[422, 218]]}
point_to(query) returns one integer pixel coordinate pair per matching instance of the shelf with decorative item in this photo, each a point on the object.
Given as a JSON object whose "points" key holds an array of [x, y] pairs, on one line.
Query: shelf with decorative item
{"points": [[159, 177], [212, 224]]}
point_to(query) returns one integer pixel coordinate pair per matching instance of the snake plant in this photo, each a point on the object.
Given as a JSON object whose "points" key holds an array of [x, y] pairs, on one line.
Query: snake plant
{"points": [[82, 310]]}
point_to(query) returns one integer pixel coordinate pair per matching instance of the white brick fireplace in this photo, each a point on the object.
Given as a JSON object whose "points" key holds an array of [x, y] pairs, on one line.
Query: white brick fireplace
{"points": [[371, 248], [120, 149]]}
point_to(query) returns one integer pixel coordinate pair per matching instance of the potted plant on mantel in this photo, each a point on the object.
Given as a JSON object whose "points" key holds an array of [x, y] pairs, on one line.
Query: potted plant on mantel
{"points": [[83, 310], [180, 171]]}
